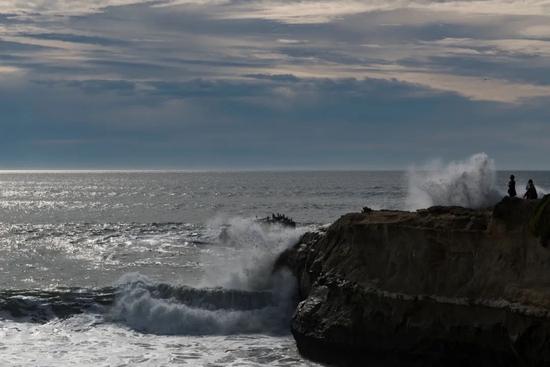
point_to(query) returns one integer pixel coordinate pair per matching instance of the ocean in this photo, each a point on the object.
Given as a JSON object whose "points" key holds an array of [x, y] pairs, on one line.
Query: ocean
{"points": [[173, 268]]}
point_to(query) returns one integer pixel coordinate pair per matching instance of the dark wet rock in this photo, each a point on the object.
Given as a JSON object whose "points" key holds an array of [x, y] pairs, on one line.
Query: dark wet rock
{"points": [[445, 286], [279, 219]]}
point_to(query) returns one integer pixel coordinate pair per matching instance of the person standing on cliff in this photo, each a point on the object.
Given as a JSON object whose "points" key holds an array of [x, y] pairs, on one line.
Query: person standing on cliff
{"points": [[531, 191], [512, 187]]}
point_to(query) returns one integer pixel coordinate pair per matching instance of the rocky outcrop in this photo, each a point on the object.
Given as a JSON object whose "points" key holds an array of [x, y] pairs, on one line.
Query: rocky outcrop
{"points": [[440, 286]]}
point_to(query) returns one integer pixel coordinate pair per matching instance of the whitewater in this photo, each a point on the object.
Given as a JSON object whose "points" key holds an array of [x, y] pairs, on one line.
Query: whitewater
{"points": [[173, 268]]}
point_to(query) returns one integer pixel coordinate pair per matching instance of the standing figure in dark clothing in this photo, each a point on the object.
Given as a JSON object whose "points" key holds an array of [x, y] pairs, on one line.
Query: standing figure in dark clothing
{"points": [[512, 187], [531, 192]]}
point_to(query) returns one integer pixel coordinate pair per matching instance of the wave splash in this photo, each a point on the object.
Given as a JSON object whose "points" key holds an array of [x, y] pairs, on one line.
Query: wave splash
{"points": [[239, 294], [469, 183], [246, 252]]}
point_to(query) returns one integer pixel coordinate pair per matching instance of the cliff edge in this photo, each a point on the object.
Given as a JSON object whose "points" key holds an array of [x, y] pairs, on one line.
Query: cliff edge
{"points": [[440, 286]]}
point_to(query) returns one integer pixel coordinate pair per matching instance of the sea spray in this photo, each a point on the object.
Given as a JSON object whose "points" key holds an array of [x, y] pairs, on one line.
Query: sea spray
{"points": [[246, 253], [469, 183], [240, 293]]}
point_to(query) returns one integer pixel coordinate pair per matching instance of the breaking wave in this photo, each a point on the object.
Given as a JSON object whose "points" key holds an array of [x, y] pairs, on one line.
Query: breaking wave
{"points": [[215, 311], [469, 183], [239, 294], [161, 308]]}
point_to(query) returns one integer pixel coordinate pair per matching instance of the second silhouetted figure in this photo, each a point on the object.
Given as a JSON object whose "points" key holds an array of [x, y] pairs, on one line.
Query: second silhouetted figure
{"points": [[512, 187], [531, 191]]}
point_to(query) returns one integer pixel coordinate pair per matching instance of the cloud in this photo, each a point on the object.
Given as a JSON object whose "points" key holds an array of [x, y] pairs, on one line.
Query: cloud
{"points": [[10, 70], [59, 7], [77, 38], [246, 82], [226, 39], [250, 123]]}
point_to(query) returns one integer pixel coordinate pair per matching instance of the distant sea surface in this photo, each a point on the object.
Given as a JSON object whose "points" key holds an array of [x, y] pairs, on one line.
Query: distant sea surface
{"points": [[165, 268]]}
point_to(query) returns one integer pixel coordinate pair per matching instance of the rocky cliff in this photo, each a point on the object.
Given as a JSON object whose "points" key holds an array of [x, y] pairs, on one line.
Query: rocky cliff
{"points": [[441, 286]]}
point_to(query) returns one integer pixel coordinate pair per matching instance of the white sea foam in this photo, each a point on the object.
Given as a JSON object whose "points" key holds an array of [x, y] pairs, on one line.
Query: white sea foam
{"points": [[469, 183], [86, 341]]}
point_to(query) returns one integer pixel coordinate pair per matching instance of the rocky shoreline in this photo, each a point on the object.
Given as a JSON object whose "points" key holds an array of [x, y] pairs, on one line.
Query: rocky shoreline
{"points": [[440, 286]]}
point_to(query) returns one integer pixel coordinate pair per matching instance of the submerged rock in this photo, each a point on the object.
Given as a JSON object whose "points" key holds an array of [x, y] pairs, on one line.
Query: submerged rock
{"points": [[278, 219], [440, 286]]}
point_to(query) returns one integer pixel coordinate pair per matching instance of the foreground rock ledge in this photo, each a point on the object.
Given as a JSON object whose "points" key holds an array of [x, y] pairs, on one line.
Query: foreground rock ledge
{"points": [[442, 286]]}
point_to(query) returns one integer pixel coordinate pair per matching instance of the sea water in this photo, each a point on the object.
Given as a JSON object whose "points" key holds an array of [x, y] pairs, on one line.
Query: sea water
{"points": [[173, 268]]}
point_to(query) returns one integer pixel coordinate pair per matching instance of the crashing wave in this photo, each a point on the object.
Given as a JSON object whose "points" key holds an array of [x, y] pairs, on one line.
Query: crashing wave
{"points": [[469, 184], [187, 311]]}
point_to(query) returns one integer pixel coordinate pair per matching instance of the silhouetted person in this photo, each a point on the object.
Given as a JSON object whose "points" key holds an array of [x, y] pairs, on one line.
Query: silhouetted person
{"points": [[531, 192], [512, 187]]}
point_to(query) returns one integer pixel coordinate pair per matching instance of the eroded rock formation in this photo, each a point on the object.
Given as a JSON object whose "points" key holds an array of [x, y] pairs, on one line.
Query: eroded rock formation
{"points": [[441, 286]]}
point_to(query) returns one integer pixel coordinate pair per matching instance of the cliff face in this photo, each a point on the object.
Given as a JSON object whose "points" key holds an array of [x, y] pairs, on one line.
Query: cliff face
{"points": [[442, 286]]}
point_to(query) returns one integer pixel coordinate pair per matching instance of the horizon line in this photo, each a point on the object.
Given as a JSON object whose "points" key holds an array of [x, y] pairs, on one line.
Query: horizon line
{"points": [[226, 170]]}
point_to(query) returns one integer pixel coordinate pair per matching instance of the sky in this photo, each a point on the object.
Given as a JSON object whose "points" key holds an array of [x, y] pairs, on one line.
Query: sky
{"points": [[273, 84]]}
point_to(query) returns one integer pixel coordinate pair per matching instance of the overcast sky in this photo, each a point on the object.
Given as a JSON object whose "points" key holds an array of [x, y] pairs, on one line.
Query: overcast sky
{"points": [[206, 84]]}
